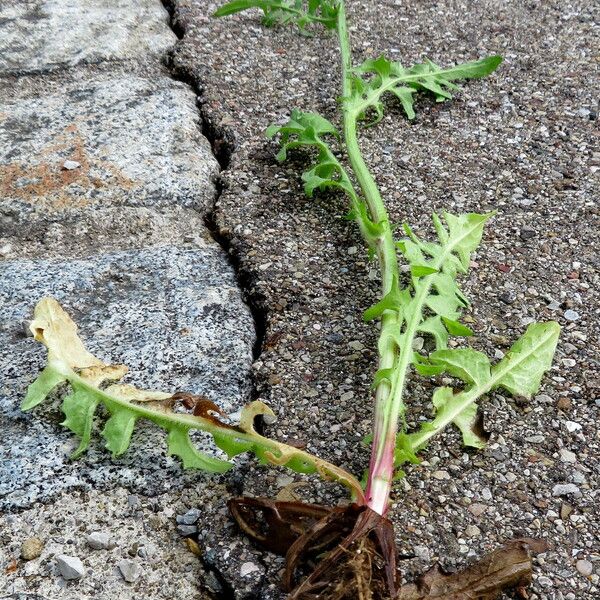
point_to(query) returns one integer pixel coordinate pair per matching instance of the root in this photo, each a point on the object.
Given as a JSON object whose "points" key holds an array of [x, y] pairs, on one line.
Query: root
{"points": [[349, 553]]}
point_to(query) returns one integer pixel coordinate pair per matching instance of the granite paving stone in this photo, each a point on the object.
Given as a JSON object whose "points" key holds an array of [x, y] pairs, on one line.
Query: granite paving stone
{"points": [[41, 35], [174, 315], [127, 140]]}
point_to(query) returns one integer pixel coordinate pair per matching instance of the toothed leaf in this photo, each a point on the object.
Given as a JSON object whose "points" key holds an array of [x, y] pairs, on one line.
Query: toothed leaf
{"points": [[79, 408], [380, 76], [118, 429], [37, 392], [86, 375], [180, 445], [470, 366], [283, 12], [521, 370]]}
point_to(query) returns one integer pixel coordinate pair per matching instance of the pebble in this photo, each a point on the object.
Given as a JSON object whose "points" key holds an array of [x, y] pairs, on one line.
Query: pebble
{"points": [[486, 493], [572, 426], [98, 540], [70, 567], [535, 439], [70, 165], [545, 581], [564, 489], [129, 569], [187, 529], [567, 456], [31, 548], [473, 531], [189, 518], [585, 567], [422, 552], [441, 475], [247, 568], [571, 315], [284, 480], [508, 297], [477, 509]]}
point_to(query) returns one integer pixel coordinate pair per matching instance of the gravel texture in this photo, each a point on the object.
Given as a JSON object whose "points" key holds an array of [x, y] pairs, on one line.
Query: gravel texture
{"points": [[143, 542], [522, 142]]}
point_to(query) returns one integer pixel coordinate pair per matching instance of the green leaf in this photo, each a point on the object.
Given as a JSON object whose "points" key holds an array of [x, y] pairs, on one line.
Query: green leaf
{"points": [[282, 12], [180, 445], [422, 270], [435, 327], [394, 300], [520, 371], [404, 452], [380, 76], [118, 429], [79, 409], [456, 328], [37, 392], [445, 401], [308, 130], [382, 375], [424, 367], [467, 364]]}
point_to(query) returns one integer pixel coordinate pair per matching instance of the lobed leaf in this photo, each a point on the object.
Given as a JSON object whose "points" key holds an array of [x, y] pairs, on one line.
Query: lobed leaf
{"points": [[70, 362], [519, 372], [377, 77], [283, 12]]}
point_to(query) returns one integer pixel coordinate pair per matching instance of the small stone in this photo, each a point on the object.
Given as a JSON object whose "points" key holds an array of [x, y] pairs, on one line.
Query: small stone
{"points": [[422, 552], [418, 343], [31, 548], [535, 439], [352, 250], [564, 489], [187, 529], [545, 581], [571, 315], [98, 540], [247, 568], [565, 511], [508, 297], [441, 475], [356, 345], [563, 404], [527, 234], [585, 567], [472, 531], [130, 570], [70, 567], [572, 426], [213, 584], [347, 396], [567, 456], [189, 518], [486, 493], [477, 509], [70, 165], [569, 362], [284, 480]]}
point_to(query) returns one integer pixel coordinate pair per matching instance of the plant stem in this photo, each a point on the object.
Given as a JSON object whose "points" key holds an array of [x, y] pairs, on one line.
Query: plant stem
{"points": [[388, 396]]}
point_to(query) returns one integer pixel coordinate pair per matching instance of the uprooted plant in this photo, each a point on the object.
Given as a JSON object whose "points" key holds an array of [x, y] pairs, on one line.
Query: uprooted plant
{"points": [[343, 552]]}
